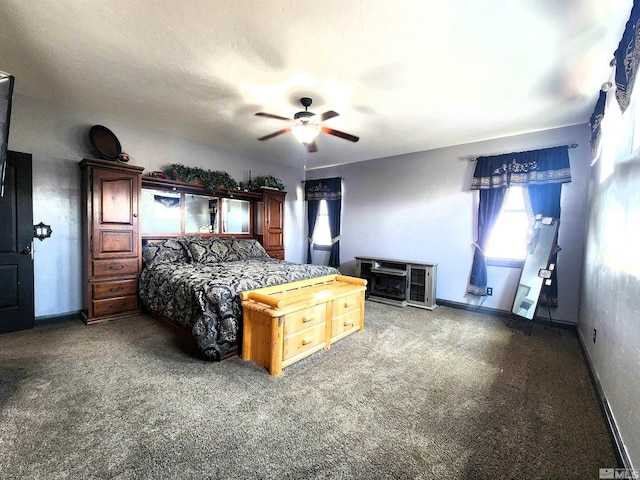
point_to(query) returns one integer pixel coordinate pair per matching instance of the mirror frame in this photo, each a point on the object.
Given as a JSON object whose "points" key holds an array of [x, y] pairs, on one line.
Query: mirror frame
{"points": [[536, 269]]}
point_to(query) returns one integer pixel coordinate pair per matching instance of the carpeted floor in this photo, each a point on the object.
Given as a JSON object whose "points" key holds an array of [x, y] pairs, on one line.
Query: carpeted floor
{"points": [[418, 394]]}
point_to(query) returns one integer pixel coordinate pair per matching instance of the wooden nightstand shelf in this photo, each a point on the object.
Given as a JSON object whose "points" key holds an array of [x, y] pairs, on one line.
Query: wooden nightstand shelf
{"points": [[286, 323]]}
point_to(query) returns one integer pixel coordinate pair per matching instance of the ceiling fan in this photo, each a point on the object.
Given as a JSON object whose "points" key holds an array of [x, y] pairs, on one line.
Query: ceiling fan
{"points": [[305, 127]]}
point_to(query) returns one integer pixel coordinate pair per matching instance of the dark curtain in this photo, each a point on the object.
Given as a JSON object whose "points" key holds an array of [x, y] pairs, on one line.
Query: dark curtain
{"points": [[329, 189], [545, 201], [596, 119], [627, 57], [547, 167], [312, 215], [488, 210], [333, 208]]}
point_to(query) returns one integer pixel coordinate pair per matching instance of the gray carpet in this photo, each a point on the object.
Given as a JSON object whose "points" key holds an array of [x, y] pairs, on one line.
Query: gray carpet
{"points": [[419, 394]]}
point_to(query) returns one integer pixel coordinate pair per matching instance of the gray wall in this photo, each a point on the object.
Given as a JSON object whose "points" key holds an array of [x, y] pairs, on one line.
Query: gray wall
{"points": [[57, 136], [419, 207], [611, 282]]}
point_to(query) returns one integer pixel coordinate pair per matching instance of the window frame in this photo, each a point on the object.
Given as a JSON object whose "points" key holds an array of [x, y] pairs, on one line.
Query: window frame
{"points": [[323, 212], [512, 262]]}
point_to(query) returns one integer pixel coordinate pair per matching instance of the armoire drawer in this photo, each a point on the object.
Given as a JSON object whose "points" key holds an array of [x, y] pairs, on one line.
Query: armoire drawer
{"points": [[277, 254], [120, 266], [119, 288], [115, 305]]}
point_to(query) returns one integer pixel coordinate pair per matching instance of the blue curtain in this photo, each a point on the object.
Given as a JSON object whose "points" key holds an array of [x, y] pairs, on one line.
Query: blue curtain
{"points": [[488, 210], [547, 168], [545, 201], [333, 209], [312, 215], [329, 189], [627, 57], [594, 122], [547, 165]]}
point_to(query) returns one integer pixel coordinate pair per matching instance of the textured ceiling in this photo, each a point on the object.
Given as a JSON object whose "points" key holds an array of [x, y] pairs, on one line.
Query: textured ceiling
{"points": [[404, 75]]}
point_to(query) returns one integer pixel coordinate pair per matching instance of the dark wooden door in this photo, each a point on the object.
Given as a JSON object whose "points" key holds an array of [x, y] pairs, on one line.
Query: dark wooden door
{"points": [[16, 237], [274, 219], [115, 213]]}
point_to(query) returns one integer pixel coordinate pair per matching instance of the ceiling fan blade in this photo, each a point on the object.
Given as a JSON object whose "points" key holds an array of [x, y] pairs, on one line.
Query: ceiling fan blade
{"points": [[338, 133], [277, 117], [328, 115], [312, 147], [275, 134]]}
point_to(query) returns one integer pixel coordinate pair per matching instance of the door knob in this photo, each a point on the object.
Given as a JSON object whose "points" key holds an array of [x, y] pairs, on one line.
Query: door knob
{"points": [[26, 250]]}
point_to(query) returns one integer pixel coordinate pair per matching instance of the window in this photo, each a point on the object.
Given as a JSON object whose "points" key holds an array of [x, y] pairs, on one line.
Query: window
{"points": [[508, 240], [322, 232]]}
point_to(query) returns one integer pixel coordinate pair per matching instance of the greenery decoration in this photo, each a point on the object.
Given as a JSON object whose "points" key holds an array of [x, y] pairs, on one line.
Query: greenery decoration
{"points": [[213, 180], [267, 181]]}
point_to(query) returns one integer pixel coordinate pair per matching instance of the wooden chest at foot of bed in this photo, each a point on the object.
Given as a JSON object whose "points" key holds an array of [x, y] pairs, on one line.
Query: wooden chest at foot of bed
{"points": [[286, 323]]}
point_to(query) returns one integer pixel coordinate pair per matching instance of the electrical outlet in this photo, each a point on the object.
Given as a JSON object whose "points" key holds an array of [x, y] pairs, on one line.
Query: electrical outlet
{"points": [[489, 291], [595, 332]]}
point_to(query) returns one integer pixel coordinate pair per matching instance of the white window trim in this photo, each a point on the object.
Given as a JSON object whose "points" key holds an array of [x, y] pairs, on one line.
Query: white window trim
{"points": [[511, 262]]}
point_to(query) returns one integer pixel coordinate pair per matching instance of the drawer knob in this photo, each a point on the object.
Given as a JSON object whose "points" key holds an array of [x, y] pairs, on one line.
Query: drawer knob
{"points": [[307, 341], [116, 289], [348, 323], [116, 267], [347, 304], [307, 319]]}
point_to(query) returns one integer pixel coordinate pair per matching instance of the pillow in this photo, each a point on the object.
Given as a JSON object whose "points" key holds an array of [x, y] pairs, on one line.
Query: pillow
{"points": [[171, 250], [212, 250], [248, 249]]}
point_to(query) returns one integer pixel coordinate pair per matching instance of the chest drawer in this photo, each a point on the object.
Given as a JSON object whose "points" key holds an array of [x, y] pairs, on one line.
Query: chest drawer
{"points": [[347, 323], [120, 266], [115, 305], [306, 318], [345, 304], [119, 288], [304, 340]]}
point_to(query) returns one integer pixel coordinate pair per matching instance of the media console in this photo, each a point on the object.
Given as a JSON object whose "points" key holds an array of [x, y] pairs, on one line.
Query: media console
{"points": [[399, 282]]}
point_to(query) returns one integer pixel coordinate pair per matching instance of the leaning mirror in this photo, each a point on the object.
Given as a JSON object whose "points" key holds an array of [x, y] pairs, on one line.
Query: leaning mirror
{"points": [[536, 270]]}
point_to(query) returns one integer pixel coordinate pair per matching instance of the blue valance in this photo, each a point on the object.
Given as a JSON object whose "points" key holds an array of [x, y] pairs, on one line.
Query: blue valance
{"points": [[535, 167], [323, 189], [627, 57]]}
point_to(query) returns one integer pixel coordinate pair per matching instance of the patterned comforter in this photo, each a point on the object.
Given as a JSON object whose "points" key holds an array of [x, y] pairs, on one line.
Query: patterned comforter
{"points": [[204, 296]]}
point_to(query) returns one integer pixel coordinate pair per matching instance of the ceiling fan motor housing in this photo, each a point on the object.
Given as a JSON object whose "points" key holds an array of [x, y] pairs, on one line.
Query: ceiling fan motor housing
{"points": [[303, 115]]}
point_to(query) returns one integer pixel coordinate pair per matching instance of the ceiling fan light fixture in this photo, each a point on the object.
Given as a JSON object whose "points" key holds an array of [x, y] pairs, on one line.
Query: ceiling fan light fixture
{"points": [[305, 132]]}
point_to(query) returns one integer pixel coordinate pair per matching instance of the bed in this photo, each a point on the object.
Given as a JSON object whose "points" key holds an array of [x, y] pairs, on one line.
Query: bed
{"points": [[194, 283]]}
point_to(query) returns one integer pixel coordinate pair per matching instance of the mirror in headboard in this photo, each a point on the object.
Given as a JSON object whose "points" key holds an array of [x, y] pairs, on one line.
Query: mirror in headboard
{"points": [[171, 208], [536, 269], [201, 214], [235, 216], [160, 211]]}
